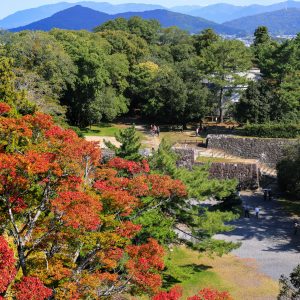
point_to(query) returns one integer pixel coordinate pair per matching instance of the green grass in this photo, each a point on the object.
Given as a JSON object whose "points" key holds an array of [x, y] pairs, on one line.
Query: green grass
{"points": [[174, 137], [293, 207], [103, 129], [240, 277], [184, 268], [204, 159]]}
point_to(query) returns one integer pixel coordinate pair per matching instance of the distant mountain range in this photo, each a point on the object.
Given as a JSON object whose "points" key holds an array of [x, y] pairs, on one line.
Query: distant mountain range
{"points": [[223, 12], [285, 21], [25, 17], [218, 13], [280, 18], [79, 17]]}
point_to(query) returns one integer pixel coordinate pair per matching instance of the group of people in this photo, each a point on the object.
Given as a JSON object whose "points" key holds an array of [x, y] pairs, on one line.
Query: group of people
{"points": [[155, 130], [247, 210]]}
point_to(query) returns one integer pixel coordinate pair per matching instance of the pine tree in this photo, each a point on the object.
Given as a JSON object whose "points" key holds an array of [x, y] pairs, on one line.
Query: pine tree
{"points": [[197, 220], [130, 144]]}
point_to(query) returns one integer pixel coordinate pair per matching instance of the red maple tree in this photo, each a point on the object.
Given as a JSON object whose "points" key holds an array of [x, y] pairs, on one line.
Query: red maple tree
{"points": [[71, 217]]}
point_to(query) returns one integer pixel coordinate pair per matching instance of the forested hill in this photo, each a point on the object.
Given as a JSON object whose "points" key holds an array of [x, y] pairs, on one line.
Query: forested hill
{"points": [[27, 16], [285, 21], [79, 17]]}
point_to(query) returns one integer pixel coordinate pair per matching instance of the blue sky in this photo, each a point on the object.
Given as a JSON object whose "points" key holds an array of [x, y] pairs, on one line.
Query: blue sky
{"points": [[10, 6]]}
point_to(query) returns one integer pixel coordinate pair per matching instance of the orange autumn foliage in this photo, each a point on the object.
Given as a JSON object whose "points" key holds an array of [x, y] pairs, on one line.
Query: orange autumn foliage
{"points": [[72, 217]]}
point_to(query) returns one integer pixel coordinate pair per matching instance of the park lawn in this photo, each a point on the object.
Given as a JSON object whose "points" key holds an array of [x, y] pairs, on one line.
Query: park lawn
{"points": [[185, 267], [174, 137], [103, 129]]}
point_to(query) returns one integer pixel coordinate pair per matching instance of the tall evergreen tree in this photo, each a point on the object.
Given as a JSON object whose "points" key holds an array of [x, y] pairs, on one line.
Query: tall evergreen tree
{"points": [[222, 65], [196, 220], [130, 144]]}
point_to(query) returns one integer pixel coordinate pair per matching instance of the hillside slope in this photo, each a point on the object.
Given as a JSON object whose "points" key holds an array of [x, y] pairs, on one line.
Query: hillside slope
{"points": [[24, 17], [79, 17], [223, 12], [285, 21]]}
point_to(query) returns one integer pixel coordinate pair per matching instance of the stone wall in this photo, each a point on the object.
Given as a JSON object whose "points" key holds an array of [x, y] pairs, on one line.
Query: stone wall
{"points": [[267, 151], [186, 157], [248, 175]]}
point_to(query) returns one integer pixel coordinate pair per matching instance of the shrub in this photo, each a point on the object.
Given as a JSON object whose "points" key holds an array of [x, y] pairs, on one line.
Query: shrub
{"points": [[272, 130]]}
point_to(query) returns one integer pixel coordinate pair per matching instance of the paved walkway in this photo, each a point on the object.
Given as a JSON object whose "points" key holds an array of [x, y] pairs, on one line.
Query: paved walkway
{"points": [[269, 240]]}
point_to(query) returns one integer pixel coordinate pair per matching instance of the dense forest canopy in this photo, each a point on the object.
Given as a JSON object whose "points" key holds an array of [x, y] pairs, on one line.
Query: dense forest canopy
{"points": [[164, 73]]}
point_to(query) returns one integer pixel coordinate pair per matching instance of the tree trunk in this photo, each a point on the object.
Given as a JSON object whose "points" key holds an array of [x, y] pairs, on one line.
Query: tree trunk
{"points": [[221, 112], [22, 260]]}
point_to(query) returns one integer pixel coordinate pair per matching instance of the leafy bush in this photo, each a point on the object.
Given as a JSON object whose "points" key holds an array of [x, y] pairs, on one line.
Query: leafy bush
{"points": [[272, 130]]}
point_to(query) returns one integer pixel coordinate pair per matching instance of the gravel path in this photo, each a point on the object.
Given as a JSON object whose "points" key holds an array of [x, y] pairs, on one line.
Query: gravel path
{"points": [[269, 240]]}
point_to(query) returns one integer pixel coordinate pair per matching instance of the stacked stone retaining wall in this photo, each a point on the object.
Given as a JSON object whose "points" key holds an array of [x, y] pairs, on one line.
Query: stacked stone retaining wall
{"points": [[247, 174], [267, 150]]}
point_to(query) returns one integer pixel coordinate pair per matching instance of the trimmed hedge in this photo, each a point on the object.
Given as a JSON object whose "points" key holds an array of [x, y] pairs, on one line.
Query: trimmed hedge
{"points": [[272, 130]]}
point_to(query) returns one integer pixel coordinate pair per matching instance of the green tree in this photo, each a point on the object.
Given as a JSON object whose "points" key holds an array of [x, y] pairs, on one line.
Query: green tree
{"points": [[41, 53], [8, 92], [166, 97], [223, 64], [116, 24], [289, 171], [264, 51], [196, 219], [261, 36], [205, 39], [100, 79], [146, 29], [256, 104], [289, 95], [130, 144], [133, 46], [290, 286], [174, 36]]}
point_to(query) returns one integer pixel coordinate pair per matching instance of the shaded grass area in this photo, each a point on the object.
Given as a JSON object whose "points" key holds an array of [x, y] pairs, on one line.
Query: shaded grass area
{"points": [[293, 207], [240, 277], [184, 267]]}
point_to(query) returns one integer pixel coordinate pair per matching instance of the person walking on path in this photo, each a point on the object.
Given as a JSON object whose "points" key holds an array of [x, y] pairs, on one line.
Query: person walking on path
{"points": [[265, 195], [247, 211], [296, 227], [257, 210], [197, 131], [154, 130], [270, 194]]}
